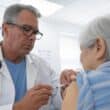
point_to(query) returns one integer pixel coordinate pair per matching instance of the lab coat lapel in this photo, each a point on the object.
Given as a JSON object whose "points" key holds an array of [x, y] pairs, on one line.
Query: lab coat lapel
{"points": [[31, 72], [4, 70]]}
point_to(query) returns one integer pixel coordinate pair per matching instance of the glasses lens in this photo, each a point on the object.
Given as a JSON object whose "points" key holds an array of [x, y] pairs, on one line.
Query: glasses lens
{"points": [[29, 30], [26, 29], [39, 35]]}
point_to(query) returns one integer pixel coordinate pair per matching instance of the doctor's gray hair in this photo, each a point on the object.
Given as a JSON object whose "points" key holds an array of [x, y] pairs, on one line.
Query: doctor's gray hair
{"points": [[99, 27], [13, 11]]}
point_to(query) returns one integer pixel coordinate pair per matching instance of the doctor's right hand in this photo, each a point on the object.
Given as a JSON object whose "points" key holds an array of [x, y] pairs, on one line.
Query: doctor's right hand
{"points": [[35, 98]]}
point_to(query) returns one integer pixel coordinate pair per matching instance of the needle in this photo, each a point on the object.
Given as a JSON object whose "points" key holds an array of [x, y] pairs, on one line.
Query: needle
{"points": [[61, 85]]}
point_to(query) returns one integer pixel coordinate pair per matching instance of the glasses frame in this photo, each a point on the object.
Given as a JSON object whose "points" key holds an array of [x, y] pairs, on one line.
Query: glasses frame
{"points": [[28, 32]]}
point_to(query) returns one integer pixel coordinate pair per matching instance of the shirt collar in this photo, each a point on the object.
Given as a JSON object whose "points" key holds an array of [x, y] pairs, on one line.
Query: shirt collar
{"points": [[104, 65]]}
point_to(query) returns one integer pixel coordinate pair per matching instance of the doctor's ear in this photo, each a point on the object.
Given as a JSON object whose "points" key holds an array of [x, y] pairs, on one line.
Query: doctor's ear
{"points": [[100, 48], [5, 29]]}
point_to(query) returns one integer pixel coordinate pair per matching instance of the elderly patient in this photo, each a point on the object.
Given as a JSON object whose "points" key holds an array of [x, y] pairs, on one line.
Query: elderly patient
{"points": [[91, 90]]}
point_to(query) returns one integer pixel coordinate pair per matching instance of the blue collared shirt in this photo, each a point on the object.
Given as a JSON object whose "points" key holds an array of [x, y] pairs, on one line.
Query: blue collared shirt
{"points": [[94, 88], [18, 74]]}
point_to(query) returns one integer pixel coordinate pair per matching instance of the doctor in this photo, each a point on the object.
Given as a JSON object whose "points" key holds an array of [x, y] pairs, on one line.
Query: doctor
{"points": [[26, 81]]}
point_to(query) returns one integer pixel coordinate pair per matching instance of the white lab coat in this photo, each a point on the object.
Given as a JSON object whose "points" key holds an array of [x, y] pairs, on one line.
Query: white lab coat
{"points": [[37, 72]]}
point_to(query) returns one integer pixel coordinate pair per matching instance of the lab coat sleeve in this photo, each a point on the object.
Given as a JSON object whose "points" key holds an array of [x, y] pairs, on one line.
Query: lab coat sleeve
{"points": [[6, 107], [50, 77]]}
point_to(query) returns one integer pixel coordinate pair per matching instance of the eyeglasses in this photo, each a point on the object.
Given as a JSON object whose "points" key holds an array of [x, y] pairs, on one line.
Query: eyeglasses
{"points": [[28, 30]]}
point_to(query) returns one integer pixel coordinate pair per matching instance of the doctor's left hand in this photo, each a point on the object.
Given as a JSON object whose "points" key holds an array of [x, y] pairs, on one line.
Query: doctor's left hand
{"points": [[66, 77]]}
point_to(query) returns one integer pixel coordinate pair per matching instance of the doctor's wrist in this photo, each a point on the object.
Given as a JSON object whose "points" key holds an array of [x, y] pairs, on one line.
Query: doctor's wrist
{"points": [[17, 106]]}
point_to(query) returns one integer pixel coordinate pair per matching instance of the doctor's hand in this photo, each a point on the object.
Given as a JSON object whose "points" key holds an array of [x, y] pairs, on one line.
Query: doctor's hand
{"points": [[35, 98], [66, 77]]}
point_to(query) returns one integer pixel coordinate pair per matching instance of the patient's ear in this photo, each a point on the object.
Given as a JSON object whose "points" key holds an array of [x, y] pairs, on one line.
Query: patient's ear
{"points": [[100, 48]]}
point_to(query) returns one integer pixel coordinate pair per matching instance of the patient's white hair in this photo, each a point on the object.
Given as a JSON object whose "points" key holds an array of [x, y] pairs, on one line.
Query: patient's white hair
{"points": [[99, 27]]}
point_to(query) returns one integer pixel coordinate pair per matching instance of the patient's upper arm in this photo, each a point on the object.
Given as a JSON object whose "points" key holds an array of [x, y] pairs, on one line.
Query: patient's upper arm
{"points": [[71, 97]]}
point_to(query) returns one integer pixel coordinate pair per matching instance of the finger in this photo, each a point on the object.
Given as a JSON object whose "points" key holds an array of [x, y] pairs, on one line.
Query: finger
{"points": [[41, 98], [41, 103], [72, 75], [38, 102], [67, 76], [42, 91], [64, 80], [63, 77], [73, 71], [40, 86]]}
